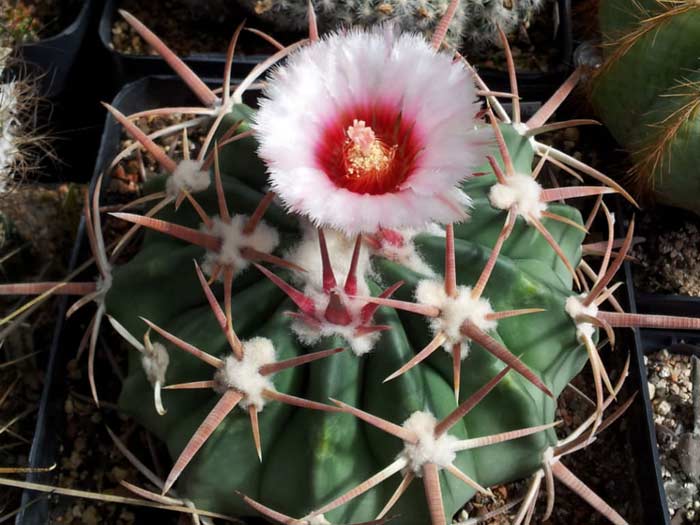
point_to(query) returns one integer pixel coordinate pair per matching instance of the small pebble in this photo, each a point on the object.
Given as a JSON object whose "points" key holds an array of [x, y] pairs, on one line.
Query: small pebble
{"points": [[663, 408]]}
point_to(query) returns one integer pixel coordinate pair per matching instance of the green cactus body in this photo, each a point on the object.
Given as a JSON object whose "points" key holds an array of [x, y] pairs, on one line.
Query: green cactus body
{"points": [[648, 93], [310, 457], [476, 21]]}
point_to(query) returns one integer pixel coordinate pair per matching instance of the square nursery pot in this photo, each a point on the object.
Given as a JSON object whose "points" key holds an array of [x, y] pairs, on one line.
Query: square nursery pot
{"points": [[645, 342], [54, 57], [128, 68], [140, 95], [533, 85], [649, 342]]}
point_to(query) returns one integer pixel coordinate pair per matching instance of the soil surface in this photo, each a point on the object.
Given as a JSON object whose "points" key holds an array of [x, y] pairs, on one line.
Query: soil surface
{"points": [[669, 259], [671, 389], [183, 32]]}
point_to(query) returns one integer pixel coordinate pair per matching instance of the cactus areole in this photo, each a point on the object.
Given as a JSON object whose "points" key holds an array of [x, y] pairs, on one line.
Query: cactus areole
{"points": [[363, 292]]}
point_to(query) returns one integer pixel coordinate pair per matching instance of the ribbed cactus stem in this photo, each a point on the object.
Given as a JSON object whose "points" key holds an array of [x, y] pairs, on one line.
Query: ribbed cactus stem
{"points": [[647, 92]]}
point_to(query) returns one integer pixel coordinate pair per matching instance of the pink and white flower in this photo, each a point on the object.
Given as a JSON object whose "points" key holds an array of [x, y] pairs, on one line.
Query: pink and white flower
{"points": [[371, 128]]}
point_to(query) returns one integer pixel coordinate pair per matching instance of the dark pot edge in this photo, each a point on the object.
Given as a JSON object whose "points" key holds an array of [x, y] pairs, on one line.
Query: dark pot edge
{"points": [[72, 27], [44, 448], [46, 56], [533, 85], [656, 507]]}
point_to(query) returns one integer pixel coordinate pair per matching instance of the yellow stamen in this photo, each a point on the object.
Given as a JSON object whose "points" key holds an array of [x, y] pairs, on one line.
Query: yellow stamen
{"points": [[365, 153]]}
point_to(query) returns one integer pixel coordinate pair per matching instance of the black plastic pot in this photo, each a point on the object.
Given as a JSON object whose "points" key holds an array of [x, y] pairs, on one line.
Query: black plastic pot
{"points": [[128, 68], [648, 341], [143, 94], [43, 452], [536, 85], [679, 342], [642, 435], [533, 85], [54, 57], [643, 439], [668, 304]]}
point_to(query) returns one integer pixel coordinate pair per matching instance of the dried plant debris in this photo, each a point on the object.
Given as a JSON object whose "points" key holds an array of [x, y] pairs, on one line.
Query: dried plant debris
{"points": [[20, 388], [672, 389], [670, 257]]}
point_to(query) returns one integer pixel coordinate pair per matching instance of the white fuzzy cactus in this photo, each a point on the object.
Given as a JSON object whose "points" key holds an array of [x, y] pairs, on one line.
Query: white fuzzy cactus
{"points": [[19, 140], [476, 22]]}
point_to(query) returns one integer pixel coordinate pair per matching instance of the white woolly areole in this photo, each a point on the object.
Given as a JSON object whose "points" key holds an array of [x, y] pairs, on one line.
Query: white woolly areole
{"points": [[454, 311], [575, 308], [521, 191], [155, 363], [264, 238], [427, 449], [188, 176], [244, 375], [366, 68]]}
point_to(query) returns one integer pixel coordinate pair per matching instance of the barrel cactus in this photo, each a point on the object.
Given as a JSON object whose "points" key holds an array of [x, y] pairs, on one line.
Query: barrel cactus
{"points": [[647, 92], [298, 282], [475, 21]]}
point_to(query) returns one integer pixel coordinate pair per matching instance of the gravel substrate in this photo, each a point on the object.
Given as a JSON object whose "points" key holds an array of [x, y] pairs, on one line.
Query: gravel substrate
{"points": [[671, 389], [670, 256]]}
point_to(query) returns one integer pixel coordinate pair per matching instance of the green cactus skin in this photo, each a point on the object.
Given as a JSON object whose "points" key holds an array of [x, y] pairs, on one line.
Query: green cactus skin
{"points": [[476, 21], [310, 457], [648, 94]]}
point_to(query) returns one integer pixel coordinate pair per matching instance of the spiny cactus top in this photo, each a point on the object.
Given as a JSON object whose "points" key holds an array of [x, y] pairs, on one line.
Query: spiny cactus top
{"points": [[304, 357]]}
